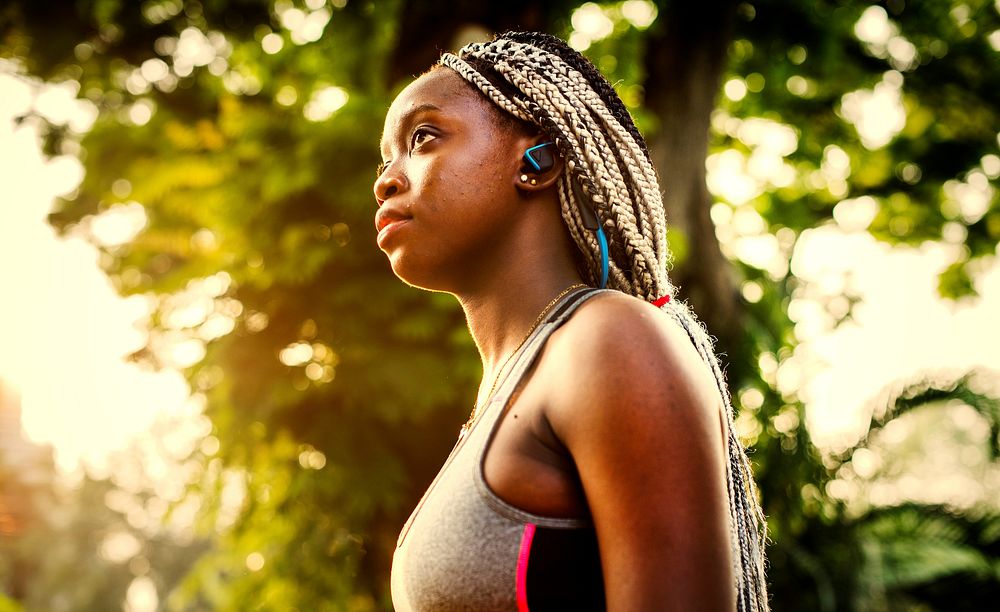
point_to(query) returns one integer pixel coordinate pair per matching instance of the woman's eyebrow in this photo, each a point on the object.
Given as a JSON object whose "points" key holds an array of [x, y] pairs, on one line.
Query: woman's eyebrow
{"points": [[408, 117], [410, 114]]}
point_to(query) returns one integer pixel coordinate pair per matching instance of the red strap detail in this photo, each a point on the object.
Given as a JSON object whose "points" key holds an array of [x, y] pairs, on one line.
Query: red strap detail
{"points": [[521, 577], [661, 301]]}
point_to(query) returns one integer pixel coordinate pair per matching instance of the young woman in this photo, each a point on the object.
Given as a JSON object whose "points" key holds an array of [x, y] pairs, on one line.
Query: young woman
{"points": [[599, 468]]}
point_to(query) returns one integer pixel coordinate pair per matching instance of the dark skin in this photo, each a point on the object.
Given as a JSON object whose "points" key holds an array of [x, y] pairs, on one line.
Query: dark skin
{"points": [[619, 419]]}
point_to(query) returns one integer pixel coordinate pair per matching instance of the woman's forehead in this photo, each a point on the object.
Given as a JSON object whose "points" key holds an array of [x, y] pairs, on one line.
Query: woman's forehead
{"points": [[441, 88], [439, 83]]}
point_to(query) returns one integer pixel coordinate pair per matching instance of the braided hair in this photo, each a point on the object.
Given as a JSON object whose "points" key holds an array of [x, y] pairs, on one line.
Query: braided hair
{"points": [[538, 79]]}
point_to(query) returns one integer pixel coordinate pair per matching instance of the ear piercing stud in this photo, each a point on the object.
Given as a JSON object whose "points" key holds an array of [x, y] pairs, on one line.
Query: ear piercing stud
{"points": [[524, 179]]}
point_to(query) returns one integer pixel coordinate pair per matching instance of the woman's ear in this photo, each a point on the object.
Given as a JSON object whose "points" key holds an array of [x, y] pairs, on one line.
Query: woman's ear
{"points": [[541, 166]]}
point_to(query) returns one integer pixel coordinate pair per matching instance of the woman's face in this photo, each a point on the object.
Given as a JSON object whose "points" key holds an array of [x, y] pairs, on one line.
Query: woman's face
{"points": [[448, 187]]}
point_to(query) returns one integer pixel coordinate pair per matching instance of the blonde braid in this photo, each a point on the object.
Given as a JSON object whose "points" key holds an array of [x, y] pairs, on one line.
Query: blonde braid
{"points": [[614, 192], [570, 79], [539, 79], [609, 191]]}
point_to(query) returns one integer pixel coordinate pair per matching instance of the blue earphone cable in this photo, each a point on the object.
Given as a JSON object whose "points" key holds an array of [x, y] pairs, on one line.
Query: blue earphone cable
{"points": [[601, 238], [603, 241]]}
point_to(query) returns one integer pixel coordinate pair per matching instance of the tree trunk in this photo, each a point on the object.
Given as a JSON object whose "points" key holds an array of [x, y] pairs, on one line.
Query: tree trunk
{"points": [[428, 28], [685, 59]]}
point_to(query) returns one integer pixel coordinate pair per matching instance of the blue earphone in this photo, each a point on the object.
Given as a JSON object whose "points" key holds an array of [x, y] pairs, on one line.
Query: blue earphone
{"points": [[544, 160], [541, 159]]}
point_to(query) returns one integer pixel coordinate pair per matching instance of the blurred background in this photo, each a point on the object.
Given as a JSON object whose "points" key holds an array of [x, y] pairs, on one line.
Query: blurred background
{"points": [[214, 395]]}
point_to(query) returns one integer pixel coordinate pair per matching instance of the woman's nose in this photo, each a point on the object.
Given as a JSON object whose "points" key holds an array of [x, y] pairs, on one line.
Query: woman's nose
{"points": [[388, 184]]}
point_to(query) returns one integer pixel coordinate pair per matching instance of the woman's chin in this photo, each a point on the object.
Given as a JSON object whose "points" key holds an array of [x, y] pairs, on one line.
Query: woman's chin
{"points": [[415, 274], [409, 271]]}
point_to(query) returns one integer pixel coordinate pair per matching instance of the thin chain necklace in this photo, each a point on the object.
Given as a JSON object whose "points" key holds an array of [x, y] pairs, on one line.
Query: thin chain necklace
{"points": [[496, 379]]}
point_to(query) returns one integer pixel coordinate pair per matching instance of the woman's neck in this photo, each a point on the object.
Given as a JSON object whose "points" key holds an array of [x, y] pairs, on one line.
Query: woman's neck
{"points": [[502, 311], [499, 320], [505, 287]]}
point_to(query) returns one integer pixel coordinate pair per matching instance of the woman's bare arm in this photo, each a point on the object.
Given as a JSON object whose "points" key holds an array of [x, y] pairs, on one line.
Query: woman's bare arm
{"points": [[640, 413]]}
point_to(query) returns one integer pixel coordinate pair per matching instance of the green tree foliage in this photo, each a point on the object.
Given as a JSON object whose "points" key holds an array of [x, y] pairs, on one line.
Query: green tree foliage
{"points": [[247, 130]]}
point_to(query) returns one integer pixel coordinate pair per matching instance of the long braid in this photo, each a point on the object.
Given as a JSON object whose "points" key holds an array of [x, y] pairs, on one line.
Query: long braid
{"points": [[539, 79]]}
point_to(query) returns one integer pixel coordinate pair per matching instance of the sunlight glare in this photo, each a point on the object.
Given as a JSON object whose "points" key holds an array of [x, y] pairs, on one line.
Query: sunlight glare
{"points": [[286, 96], [855, 214], [778, 138], [65, 173], [994, 40], [141, 595], [800, 86], [179, 351], [303, 26], [15, 95], [119, 224], [193, 49], [881, 37], [291, 18], [728, 179], [272, 43], [752, 291], [874, 26], [119, 546], [324, 102], [640, 13], [991, 165], [836, 165], [255, 561], [902, 327], [735, 89], [154, 69], [739, 179], [58, 104], [761, 251], [877, 114], [296, 354], [231, 498], [590, 24], [67, 332], [971, 197], [142, 111]]}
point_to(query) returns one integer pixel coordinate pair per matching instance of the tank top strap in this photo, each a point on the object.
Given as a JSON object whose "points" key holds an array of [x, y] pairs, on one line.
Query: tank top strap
{"points": [[560, 313]]}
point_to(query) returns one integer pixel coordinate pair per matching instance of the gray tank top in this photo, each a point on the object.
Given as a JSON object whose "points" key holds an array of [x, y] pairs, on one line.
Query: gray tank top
{"points": [[464, 548]]}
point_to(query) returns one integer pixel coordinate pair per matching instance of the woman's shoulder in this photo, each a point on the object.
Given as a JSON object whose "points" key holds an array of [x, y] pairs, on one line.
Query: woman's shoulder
{"points": [[618, 350], [616, 326]]}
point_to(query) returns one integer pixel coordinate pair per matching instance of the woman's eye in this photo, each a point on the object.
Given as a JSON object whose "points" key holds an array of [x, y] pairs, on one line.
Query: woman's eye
{"points": [[420, 136], [381, 168]]}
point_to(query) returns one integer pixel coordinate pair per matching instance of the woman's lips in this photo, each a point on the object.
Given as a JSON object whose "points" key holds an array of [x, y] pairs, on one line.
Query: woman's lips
{"points": [[387, 214], [388, 222]]}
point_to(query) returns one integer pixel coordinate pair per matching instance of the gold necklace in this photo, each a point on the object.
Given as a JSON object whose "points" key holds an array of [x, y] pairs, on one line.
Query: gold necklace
{"points": [[496, 379]]}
